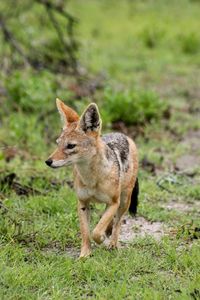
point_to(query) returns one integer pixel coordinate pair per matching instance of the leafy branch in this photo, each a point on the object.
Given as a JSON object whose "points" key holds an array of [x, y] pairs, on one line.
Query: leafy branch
{"points": [[67, 63]]}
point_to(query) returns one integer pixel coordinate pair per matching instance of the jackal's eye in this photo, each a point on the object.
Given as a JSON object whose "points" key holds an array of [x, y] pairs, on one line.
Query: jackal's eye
{"points": [[70, 146]]}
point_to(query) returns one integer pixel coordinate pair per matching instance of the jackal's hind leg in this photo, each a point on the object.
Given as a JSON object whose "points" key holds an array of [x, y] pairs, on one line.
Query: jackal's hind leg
{"points": [[109, 228], [124, 205]]}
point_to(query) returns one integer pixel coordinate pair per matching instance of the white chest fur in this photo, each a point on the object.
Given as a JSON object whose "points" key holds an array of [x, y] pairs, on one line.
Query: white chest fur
{"points": [[92, 194]]}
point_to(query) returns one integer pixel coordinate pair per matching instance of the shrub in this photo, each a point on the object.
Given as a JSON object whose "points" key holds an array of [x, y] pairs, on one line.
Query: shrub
{"points": [[30, 92], [190, 43], [152, 36], [132, 107]]}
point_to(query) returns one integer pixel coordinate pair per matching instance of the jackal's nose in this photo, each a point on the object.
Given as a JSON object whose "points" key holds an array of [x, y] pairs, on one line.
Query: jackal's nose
{"points": [[49, 162]]}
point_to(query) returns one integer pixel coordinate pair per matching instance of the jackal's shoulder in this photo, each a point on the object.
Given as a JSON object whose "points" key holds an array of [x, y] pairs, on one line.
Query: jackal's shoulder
{"points": [[117, 149], [117, 141]]}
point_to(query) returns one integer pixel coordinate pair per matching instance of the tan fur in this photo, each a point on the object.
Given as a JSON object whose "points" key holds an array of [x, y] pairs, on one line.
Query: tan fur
{"points": [[96, 179], [68, 115]]}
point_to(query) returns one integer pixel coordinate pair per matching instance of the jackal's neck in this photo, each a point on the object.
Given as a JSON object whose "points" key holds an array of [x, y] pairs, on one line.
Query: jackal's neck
{"points": [[90, 169]]}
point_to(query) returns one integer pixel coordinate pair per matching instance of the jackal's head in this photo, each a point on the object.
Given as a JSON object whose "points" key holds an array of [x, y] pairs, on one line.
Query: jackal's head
{"points": [[79, 138]]}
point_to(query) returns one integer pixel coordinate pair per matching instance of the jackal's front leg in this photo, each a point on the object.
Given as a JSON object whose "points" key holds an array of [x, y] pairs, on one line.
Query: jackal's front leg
{"points": [[98, 234], [83, 212]]}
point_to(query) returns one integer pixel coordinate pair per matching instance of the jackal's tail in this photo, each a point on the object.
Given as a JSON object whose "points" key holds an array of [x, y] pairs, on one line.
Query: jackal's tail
{"points": [[134, 199]]}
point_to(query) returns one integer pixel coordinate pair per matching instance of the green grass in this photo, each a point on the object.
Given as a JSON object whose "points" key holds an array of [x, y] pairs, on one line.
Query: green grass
{"points": [[40, 241], [140, 24], [145, 270], [149, 54]]}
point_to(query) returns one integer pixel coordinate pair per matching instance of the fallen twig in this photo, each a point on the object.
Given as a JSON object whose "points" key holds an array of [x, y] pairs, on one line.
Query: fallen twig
{"points": [[22, 190], [167, 178]]}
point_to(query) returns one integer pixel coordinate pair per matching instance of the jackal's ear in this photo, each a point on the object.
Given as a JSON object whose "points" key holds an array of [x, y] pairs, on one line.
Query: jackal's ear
{"points": [[90, 119], [68, 115]]}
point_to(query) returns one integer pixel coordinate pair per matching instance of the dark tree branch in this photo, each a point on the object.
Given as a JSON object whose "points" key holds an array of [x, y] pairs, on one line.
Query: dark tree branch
{"points": [[59, 9], [68, 61], [56, 26], [71, 47], [11, 40]]}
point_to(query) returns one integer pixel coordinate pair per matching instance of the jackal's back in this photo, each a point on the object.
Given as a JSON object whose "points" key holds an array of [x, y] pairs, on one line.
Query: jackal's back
{"points": [[118, 149]]}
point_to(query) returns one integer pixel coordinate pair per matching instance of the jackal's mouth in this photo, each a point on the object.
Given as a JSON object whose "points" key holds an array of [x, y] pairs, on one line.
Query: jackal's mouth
{"points": [[55, 167], [57, 163]]}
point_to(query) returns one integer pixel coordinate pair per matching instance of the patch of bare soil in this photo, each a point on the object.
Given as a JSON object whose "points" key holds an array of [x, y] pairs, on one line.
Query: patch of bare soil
{"points": [[131, 228], [172, 86], [183, 207], [72, 252], [188, 163], [69, 251], [140, 227], [191, 160], [193, 139]]}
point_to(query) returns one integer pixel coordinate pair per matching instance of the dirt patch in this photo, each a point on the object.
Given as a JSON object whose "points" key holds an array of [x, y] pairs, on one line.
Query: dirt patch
{"points": [[72, 252], [69, 251], [140, 227], [172, 86], [193, 140], [183, 207], [178, 206], [190, 161], [131, 228]]}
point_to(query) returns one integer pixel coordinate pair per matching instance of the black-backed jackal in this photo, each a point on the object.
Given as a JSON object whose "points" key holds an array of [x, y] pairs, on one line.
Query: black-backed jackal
{"points": [[105, 171]]}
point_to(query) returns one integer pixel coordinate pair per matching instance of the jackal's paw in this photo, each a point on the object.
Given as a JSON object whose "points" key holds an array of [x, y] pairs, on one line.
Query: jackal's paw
{"points": [[113, 245], [85, 252], [98, 237]]}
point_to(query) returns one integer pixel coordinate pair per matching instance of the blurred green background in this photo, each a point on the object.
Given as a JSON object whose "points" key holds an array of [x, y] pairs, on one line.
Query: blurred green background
{"points": [[131, 57], [139, 60]]}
